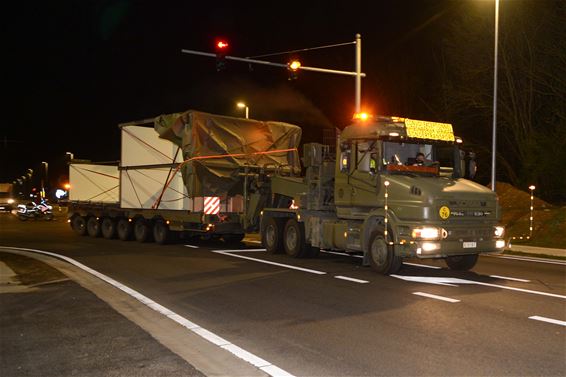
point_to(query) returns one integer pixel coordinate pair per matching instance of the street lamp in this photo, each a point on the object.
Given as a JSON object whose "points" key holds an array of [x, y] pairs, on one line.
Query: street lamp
{"points": [[494, 134], [532, 188], [242, 105], [46, 178]]}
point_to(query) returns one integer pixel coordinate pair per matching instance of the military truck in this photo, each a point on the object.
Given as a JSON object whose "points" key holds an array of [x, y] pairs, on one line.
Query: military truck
{"points": [[366, 194], [372, 196]]}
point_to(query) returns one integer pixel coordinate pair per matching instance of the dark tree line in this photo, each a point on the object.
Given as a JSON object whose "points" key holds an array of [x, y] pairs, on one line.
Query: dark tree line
{"points": [[531, 115]]}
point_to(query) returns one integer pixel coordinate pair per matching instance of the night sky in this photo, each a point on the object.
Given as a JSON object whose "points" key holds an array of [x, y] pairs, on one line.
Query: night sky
{"points": [[74, 70]]}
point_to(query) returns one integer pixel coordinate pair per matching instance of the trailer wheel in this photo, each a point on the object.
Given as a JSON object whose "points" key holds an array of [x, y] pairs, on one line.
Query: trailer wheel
{"points": [[93, 227], [78, 224], [161, 233], [108, 228], [382, 257], [233, 238], [272, 235], [125, 230], [143, 231], [294, 239], [462, 262]]}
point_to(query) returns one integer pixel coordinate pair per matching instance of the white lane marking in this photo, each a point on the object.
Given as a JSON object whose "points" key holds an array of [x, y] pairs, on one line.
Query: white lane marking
{"points": [[252, 241], [339, 253], [237, 250], [528, 259], [423, 265], [442, 298], [452, 281], [549, 320], [192, 246], [227, 252], [352, 279], [266, 366], [508, 278]]}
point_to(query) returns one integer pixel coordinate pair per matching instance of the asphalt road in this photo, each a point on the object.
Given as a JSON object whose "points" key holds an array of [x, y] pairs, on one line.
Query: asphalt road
{"points": [[507, 317]]}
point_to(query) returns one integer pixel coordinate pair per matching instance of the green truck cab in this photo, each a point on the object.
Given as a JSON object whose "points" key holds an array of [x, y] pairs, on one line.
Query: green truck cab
{"points": [[372, 195]]}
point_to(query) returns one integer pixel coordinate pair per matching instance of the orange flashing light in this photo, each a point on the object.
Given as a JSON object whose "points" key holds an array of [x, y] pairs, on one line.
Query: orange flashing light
{"points": [[67, 186], [222, 45], [361, 116], [294, 65]]}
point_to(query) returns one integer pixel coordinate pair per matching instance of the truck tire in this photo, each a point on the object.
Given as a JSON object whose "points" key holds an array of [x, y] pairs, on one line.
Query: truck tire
{"points": [[93, 227], [382, 257], [161, 233], [108, 228], [78, 224], [125, 230], [272, 235], [294, 239], [462, 262], [143, 231], [233, 238]]}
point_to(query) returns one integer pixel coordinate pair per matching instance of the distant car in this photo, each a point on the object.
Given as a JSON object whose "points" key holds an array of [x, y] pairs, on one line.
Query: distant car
{"points": [[7, 202]]}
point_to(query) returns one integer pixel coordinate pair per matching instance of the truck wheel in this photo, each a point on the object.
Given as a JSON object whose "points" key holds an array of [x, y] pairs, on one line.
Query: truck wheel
{"points": [[78, 224], [233, 238], [93, 227], [294, 239], [125, 230], [462, 262], [382, 257], [161, 233], [142, 230], [272, 236], [108, 228]]}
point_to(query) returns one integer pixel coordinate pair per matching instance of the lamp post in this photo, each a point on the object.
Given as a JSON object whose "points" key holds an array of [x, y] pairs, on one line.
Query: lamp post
{"points": [[494, 133], [532, 188], [242, 105], [46, 177]]}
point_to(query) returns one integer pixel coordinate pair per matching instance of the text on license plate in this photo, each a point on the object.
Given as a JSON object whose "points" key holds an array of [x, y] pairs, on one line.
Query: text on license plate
{"points": [[469, 245]]}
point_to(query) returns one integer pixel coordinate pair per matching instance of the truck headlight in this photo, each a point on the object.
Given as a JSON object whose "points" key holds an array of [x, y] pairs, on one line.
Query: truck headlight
{"points": [[11, 201], [500, 244], [498, 231], [427, 233]]}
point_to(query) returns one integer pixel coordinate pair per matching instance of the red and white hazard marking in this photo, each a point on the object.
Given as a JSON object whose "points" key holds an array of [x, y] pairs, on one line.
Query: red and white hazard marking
{"points": [[211, 205]]}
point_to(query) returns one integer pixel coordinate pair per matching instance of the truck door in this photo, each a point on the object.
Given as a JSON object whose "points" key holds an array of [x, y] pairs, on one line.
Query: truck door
{"points": [[363, 180]]}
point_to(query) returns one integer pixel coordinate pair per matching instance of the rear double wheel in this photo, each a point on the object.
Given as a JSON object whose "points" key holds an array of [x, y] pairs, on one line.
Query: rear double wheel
{"points": [[125, 229], [93, 227], [109, 228], [78, 224], [294, 240], [161, 233], [272, 235], [143, 230]]}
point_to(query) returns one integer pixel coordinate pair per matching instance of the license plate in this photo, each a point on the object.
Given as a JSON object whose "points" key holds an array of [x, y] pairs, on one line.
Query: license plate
{"points": [[469, 245]]}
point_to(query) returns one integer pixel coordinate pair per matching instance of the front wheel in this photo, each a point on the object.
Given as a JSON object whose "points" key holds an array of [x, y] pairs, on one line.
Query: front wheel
{"points": [[382, 256], [462, 262]]}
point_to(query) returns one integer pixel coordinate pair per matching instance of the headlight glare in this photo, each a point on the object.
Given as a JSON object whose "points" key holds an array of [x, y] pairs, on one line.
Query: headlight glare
{"points": [[426, 233], [499, 231]]}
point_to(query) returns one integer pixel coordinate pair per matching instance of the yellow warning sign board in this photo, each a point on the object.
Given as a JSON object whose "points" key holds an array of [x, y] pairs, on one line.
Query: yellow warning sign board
{"points": [[429, 130]]}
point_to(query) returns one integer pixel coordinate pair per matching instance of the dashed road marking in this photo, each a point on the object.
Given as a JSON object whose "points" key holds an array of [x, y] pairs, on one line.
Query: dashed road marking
{"points": [[258, 362], [237, 250], [192, 246], [230, 254], [441, 298], [508, 278], [352, 279], [548, 320]]}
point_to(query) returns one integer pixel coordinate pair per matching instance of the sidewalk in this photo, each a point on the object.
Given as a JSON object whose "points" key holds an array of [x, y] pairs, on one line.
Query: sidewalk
{"points": [[542, 251]]}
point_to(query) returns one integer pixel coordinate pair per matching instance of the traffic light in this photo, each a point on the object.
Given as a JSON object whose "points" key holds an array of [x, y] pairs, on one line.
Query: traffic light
{"points": [[293, 67], [221, 49]]}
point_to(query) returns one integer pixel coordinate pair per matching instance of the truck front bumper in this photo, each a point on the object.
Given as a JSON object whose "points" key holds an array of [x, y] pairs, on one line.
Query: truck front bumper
{"points": [[446, 248]]}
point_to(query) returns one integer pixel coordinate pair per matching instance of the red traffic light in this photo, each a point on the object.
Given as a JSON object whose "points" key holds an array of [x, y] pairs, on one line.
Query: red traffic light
{"points": [[221, 45]]}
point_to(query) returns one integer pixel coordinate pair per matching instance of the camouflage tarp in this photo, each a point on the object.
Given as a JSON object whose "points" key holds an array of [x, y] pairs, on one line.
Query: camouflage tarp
{"points": [[238, 140]]}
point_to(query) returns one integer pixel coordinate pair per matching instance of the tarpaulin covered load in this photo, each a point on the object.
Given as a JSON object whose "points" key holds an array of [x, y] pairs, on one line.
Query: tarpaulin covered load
{"points": [[219, 147]]}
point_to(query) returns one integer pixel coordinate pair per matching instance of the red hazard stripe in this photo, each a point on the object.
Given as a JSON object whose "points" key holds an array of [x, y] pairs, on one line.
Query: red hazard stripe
{"points": [[211, 205]]}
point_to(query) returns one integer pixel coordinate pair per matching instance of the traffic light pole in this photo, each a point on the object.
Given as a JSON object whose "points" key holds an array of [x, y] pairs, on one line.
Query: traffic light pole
{"points": [[358, 74]]}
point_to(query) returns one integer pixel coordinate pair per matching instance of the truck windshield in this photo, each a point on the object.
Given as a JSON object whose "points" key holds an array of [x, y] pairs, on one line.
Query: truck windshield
{"points": [[414, 158]]}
